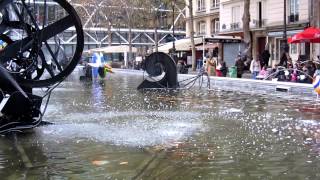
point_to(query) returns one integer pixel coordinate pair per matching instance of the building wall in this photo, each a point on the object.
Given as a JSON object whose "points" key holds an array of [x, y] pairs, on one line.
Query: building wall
{"points": [[272, 20], [316, 23], [272, 12], [275, 10], [226, 14], [206, 15]]}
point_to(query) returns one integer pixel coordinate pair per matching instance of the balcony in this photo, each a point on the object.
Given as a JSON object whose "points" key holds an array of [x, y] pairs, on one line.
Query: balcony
{"points": [[201, 10], [215, 32], [214, 6], [235, 26], [229, 28], [202, 33], [259, 23], [293, 18]]}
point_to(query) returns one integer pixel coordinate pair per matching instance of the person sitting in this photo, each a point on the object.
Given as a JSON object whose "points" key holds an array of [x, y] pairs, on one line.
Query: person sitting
{"points": [[294, 76], [263, 73]]}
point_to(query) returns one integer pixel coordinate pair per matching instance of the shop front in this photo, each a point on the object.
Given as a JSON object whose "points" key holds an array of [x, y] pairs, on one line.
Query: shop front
{"points": [[275, 41]]}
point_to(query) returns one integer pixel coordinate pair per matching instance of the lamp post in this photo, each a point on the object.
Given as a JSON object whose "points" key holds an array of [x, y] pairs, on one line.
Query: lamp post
{"points": [[173, 43], [285, 44]]}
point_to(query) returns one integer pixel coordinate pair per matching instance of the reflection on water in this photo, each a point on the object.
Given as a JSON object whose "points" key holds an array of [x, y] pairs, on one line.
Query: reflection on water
{"points": [[108, 130]]}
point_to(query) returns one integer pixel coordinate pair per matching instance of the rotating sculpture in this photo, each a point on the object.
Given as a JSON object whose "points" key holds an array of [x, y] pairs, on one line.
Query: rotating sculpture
{"points": [[30, 57], [161, 72]]}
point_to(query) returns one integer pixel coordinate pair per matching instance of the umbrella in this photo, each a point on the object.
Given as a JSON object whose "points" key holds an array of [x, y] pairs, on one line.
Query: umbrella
{"points": [[311, 35]]}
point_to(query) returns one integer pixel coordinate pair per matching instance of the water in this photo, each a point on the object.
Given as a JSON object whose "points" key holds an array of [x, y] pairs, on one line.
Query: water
{"points": [[108, 130]]}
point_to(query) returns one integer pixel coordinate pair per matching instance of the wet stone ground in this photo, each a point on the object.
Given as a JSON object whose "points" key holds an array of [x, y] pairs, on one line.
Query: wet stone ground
{"points": [[106, 129]]}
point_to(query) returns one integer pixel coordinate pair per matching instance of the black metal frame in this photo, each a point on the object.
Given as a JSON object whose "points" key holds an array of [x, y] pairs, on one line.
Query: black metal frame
{"points": [[15, 87]]}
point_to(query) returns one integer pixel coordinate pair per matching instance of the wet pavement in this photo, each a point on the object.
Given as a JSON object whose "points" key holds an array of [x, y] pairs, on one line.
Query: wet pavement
{"points": [[106, 129]]}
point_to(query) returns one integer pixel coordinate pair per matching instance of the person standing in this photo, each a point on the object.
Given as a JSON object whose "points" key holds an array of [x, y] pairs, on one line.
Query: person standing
{"points": [[211, 65], [240, 66], [219, 68], [224, 68], [255, 68], [284, 60], [265, 57]]}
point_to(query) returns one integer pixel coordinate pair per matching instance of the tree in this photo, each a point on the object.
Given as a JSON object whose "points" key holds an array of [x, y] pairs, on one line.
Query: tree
{"points": [[140, 14], [156, 23], [246, 30], [191, 26]]}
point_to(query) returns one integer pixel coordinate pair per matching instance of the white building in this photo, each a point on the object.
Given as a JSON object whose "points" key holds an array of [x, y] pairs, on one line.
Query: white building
{"points": [[206, 17], [267, 24]]}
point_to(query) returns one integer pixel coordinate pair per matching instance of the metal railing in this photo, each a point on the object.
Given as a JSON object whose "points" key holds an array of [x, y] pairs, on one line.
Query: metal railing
{"points": [[235, 26], [259, 23]]}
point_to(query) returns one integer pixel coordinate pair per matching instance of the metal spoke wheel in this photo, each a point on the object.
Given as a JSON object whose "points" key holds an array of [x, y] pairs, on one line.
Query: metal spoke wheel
{"points": [[41, 40]]}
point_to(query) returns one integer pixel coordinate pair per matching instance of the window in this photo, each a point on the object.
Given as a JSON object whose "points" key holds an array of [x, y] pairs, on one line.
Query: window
{"points": [[215, 3], [236, 14], [202, 28], [259, 22], [293, 10], [293, 49], [212, 26], [201, 5], [294, 6], [235, 18], [217, 26]]}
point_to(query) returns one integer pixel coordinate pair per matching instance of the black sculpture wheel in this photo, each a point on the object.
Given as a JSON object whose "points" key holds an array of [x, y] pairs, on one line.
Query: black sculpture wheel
{"points": [[31, 38]]}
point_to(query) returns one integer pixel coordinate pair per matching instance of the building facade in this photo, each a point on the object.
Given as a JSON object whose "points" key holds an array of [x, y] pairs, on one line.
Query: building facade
{"points": [[267, 24], [206, 17], [315, 22]]}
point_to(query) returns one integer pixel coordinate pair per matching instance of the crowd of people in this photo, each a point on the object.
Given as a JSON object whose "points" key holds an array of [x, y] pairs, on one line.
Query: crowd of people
{"points": [[302, 71]]}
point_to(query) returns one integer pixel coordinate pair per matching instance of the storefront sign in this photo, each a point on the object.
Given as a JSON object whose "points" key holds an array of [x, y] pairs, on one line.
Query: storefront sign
{"points": [[280, 33], [214, 40]]}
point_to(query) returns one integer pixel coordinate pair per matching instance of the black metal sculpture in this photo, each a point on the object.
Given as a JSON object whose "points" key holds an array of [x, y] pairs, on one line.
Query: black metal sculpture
{"points": [[29, 46], [161, 72]]}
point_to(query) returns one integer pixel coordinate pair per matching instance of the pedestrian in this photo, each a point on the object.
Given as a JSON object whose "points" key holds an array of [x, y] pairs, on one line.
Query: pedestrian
{"points": [[211, 65], [219, 68], [180, 66], [284, 60], [265, 57], [240, 66], [255, 67], [199, 64], [317, 71], [224, 68]]}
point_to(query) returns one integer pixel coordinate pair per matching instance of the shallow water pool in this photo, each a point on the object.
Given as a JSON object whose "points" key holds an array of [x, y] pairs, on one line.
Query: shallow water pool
{"points": [[106, 129]]}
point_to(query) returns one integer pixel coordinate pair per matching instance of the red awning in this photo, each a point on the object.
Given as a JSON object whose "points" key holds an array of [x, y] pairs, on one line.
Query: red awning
{"points": [[311, 35]]}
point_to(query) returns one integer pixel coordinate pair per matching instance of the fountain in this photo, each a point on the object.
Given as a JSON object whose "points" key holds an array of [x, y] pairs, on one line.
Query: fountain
{"points": [[30, 58]]}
